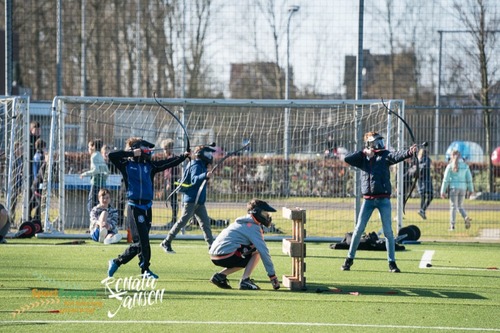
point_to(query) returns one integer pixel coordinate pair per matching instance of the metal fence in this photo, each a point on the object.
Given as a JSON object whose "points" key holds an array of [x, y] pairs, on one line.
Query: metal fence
{"points": [[313, 176]]}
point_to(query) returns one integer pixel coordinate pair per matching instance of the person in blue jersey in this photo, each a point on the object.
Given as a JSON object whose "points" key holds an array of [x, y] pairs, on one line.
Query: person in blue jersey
{"points": [[138, 171], [374, 161], [194, 196]]}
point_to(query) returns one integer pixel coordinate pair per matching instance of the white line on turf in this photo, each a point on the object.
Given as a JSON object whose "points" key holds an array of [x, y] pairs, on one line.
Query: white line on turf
{"points": [[426, 262], [426, 259], [272, 323]]}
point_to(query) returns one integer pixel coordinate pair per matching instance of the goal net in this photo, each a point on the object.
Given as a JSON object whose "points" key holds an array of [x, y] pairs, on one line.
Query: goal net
{"points": [[15, 161], [295, 156]]}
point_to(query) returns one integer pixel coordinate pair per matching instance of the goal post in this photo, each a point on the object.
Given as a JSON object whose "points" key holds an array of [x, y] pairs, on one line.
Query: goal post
{"points": [[320, 132], [15, 150]]}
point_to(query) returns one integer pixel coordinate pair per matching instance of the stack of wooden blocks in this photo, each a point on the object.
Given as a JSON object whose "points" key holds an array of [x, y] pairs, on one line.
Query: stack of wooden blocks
{"points": [[296, 248]]}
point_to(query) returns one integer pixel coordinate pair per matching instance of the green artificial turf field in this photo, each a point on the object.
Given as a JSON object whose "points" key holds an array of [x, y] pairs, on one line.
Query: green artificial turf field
{"points": [[46, 286]]}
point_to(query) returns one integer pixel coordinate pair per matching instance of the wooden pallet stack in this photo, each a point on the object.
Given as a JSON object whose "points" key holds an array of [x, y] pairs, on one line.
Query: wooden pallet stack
{"points": [[295, 248]]}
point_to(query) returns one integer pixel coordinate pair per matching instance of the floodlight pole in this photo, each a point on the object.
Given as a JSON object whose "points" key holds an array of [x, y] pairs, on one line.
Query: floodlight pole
{"points": [[359, 95], [291, 10], [286, 139]]}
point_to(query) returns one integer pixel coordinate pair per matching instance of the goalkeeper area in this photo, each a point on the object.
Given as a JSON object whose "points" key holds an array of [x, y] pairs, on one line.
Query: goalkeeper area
{"points": [[295, 159]]}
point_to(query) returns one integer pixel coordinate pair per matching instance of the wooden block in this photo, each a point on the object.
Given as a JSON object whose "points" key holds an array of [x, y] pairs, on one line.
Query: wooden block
{"points": [[293, 283], [295, 214], [293, 248]]}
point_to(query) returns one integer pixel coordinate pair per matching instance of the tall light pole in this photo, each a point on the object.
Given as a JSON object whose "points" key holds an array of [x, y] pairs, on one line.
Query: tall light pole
{"points": [[286, 139], [291, 10]]}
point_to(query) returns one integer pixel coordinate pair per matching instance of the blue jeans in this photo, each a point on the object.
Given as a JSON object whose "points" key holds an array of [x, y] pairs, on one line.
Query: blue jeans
{"points": [[384, 207]]}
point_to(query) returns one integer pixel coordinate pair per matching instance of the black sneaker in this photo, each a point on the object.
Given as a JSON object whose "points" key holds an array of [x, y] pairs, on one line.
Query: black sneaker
{"points": [[248, 284], [167, 247], [347, 264], [422, 214], [220, 280], [393, 268]]}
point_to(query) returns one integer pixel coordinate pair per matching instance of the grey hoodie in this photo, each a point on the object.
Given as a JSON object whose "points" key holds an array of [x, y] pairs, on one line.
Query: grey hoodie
{"points": [[244, 231]]}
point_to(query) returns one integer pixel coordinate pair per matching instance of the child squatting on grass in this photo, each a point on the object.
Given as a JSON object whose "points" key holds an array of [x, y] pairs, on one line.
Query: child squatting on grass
{"points": [[241, 245], [104, 220]]}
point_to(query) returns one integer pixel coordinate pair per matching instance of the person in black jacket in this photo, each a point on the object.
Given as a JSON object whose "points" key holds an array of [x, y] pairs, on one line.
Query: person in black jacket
{"points": [[138, 171], [374, 161], [425, 188]]}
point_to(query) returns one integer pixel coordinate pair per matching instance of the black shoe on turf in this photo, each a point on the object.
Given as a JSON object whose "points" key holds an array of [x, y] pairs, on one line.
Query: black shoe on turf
{"points": [[347, 264], [393, 268], [248, 284], [220, 280], [167, 247]]}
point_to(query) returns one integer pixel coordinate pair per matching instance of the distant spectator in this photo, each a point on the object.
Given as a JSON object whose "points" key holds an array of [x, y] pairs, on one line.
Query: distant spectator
{"points": [[104, 219], [37, 188], [424, 182], [38, 170], [457, 181], [98, 172], [39, 156], [35, 132], [120, 193], [171, 175]]}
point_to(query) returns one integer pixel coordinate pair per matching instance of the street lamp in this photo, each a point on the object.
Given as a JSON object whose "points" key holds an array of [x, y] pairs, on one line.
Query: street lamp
{"points": [[291, 10], [286, 139]]}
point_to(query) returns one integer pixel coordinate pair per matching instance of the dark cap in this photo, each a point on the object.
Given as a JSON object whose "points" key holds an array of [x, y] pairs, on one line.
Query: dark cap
{"points": [[143, 143]]}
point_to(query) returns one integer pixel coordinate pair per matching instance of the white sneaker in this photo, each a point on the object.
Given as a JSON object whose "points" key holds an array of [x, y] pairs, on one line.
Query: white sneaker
{"points": [[113, 239], [103, 232]]}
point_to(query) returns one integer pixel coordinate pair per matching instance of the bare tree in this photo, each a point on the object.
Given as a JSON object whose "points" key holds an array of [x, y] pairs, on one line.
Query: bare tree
{"points": [[401, 33], [482, 27], [201, 20]]}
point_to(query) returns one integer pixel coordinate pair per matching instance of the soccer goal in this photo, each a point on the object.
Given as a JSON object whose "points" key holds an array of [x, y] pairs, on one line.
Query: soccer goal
{"points": [[15, 152], [295, 156]]}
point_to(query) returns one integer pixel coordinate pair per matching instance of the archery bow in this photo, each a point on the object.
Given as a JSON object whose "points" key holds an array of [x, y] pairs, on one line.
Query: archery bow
{"points": [[415, 158], [216, 165], [188, 147], [188, 144]]}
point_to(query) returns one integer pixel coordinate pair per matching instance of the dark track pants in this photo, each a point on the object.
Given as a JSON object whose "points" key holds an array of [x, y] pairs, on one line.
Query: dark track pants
{"points": [[140, 223]]}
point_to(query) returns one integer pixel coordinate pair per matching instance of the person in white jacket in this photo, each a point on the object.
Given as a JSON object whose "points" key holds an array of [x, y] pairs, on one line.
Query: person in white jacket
{"points": [[241, 246], [457, 180]]}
